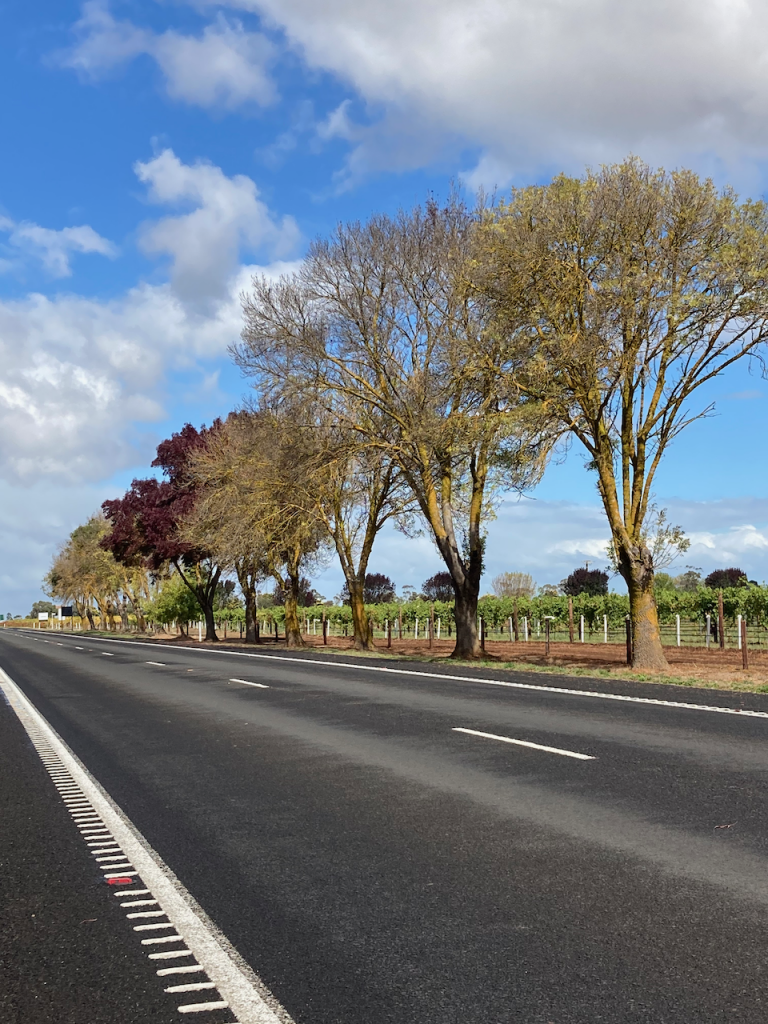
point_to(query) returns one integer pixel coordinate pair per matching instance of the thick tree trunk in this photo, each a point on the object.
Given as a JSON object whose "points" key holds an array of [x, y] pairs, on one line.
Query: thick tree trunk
{"points": [[89, 616], [210, 622], [465, 613], [250, 615], [293, 635], [361, 625], [636, 566]]}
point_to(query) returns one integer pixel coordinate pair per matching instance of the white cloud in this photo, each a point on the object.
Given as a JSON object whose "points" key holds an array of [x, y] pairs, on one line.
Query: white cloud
{"points": [[545, 84], [53, 248], [204, 244], [224, 66]]}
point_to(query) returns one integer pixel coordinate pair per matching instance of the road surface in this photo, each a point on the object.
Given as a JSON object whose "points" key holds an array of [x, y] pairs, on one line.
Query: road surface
{"points": [[372, 845]]}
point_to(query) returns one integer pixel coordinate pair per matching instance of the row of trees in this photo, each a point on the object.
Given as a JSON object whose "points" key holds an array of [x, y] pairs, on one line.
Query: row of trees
{"points": [[416, 367]]}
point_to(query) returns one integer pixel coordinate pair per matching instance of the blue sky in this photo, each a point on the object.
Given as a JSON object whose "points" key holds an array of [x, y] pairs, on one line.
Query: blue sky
{"points": [[156, 153]]}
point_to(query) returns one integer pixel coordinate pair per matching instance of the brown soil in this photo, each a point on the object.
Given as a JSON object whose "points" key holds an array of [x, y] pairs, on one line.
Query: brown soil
{"points": [[722, 669]]}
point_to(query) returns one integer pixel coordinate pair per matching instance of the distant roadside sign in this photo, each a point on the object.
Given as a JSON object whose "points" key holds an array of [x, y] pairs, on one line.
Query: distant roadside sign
{"points": [[42, 616], [66, 611]]}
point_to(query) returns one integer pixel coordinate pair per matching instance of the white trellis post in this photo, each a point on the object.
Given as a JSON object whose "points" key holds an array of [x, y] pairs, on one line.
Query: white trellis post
{"points": [[509, 625], [738, 629], [709, 629], [581, 628], [416, 630], [677, 628], [605, 629], [200, 630], [438, 628], [525, 628]]}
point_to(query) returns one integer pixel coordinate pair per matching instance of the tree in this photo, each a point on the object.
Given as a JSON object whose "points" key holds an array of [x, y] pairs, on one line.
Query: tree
{"points": [[146, 522], [41, 607], [377, 589], [175, 601], [585, 581], [249, 509], [84, 573], [305, 597], [380, 321], [438, 587], [619, 295], [688, 581], [513, 584], [720, 579]]}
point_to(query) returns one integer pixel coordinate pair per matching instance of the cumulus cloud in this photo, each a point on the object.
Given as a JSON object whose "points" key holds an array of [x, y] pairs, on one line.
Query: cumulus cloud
{"points": [[224, 66], [540, 85], [52, 248], [227, 217]]}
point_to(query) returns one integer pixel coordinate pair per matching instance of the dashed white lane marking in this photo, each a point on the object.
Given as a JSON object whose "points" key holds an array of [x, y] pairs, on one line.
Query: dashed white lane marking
{"points": [[79, 648], [104, 654], [160, 664], [245, 682], [444, 677], [527, 743], [140, 867]]}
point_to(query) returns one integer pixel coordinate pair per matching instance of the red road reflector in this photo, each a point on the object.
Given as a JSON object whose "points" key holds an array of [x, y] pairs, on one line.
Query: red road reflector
{"points": [[121, 881]]}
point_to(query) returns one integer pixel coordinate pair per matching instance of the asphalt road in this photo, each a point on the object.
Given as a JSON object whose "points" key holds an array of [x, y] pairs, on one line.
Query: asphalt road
{"points": [[373, 865]]}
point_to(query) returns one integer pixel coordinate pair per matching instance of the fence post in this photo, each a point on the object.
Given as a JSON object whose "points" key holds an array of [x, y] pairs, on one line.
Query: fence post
{"points": [[546, 635], [438, 627], [400, 623], [200, 630], [720, 624], [677, 624], [744, 650], [325, 630], [509, 624], [525, 628], [482, 633], [605, 629], [570, 620], [629, 641], [514, 621], [581, 628], [431, 624], [389, 633], [709, 628], [738, 630], [416, 630]]}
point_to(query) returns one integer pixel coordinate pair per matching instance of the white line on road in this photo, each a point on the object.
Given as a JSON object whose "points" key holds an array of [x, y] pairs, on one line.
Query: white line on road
{"points": [[446, 678], [527, 743], [245, 993], [106, 655], [160, 664], [261, 686]]}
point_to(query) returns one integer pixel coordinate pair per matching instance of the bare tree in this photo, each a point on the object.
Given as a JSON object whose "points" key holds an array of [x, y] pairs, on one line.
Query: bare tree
{"points": [[620, 294], [381, 323], [513, 584], [248, 476]]}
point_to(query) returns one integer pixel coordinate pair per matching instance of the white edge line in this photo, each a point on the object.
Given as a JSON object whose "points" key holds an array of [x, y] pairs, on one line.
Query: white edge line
{"points": [[246, 994], [261, 686], [527, 743], [449, 678]]}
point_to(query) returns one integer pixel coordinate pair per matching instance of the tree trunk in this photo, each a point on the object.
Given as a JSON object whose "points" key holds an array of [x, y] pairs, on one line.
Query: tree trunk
{"points": [[250, 615], [293, 635], [361, 625], [636, 566], [89, 616], [210, 622], [465, 615]]}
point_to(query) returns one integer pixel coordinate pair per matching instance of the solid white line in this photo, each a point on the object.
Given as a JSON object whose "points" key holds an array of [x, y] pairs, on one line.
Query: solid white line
{"points": [[361, 667], [245, 993], [527, 743], [160, 664], [262, 686]]}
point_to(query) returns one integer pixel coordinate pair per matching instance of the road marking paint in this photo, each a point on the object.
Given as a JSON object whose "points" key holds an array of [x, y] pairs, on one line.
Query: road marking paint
{"points": [[152, 927], [261, 686], [202, 1007], [187, 969], [195, 986], [527, 743], [160, 664], [165, 938], [444, 677], [239, 987], [79, 648], [171, 954], [130, 892], [138, 903], [106, 655]]}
